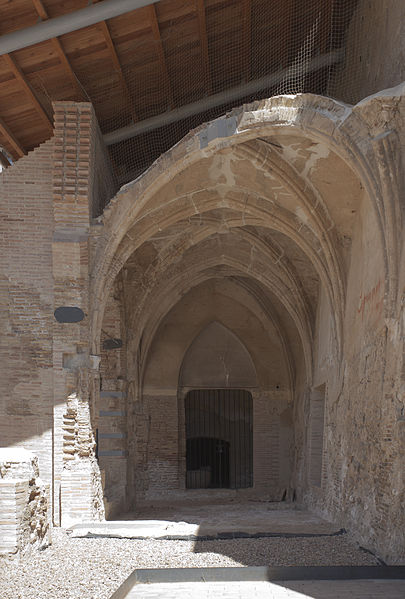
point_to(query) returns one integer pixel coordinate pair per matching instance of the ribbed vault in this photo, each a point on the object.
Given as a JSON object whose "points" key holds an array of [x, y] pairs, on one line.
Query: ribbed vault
{"points": [[295, 165], [253, 229]]}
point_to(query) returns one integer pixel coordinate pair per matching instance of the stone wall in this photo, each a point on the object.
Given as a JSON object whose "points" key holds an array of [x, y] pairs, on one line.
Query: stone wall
{"points": [[362, 439], [112, 409], [296, 204]]}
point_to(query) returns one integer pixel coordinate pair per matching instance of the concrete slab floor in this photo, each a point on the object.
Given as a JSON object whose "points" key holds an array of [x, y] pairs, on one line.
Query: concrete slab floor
{"points": [[212, 520], [323, 589]]}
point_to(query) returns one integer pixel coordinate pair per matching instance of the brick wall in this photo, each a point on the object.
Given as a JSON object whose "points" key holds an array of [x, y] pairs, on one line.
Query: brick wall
{"points": [[24, 502], [162, 456], [13, 500], [104, 184], [27, 304], [160, 451], [47, 200], [75, 137]]}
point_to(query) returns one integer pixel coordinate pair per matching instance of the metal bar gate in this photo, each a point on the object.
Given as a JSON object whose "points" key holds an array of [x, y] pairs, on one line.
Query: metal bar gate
{"points": [[219, 439]]}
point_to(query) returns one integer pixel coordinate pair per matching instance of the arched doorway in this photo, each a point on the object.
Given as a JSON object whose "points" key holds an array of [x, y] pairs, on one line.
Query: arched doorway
{"points": [[219, 439], [216, 373], [285, 233]]}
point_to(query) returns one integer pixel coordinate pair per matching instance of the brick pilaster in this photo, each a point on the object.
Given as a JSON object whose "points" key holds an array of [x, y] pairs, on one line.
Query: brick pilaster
{"points": [[75, 138]]}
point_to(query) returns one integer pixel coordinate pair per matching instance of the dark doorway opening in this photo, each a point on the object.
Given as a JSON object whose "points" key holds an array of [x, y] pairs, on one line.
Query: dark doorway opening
{"points": [[219, 439], [207, 463]]}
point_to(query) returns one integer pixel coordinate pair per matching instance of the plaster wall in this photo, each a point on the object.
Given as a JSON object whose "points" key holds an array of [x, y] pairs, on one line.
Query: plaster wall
{"points": [[300, 208]]}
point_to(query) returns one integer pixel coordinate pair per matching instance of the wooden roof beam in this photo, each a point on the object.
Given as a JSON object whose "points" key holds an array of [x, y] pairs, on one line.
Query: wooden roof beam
{"points": [[77, 19], [11, 139], [19, 75], [39, 7], [117, 65], [160, 52], [202, 26]]}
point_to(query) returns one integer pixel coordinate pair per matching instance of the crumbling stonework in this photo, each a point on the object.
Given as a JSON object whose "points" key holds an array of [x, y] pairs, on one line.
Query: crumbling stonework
{"points": [[24, 503], [81, 494]]}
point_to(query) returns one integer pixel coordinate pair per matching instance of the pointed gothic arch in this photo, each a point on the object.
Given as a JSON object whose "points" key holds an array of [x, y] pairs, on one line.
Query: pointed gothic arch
{"points": [[217, 358]]}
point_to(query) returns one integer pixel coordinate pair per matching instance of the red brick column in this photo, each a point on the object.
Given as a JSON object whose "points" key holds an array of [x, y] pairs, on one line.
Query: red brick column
{"points": [[75, 468]]}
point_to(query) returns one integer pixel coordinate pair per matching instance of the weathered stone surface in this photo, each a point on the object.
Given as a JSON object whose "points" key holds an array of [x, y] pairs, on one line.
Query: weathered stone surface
{"points": [[24, 502], [289, 234]]}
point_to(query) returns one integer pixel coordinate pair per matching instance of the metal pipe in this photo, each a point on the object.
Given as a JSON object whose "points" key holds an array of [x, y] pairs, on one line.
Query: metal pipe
{"points": [[72, 21], [215, 100]]}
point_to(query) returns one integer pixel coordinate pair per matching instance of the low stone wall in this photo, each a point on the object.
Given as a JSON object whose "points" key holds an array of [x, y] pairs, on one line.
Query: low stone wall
{"points": [[24, 502]]}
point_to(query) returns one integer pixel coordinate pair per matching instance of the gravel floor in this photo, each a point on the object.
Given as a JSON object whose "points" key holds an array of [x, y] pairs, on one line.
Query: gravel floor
{"points": [[94, 568]]}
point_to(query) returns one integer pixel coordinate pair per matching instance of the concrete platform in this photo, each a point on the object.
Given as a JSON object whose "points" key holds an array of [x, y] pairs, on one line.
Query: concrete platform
{"points": [[369, 582], [250, 519], [353, 589]]}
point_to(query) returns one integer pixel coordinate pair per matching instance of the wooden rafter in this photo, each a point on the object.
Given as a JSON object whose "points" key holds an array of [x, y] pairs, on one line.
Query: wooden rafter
{"points": [[117, 66], [160, 51], [12, 140], [246, 40], [19, 75], [39, 7], [202, 26]]}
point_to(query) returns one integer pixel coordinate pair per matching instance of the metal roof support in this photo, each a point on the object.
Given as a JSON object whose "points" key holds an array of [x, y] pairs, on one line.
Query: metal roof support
{"points": [[107, 9], [229, 95]]}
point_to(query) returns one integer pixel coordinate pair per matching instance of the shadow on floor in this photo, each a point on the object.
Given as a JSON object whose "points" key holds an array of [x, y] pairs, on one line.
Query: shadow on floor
{"points": [[284, 534], [292, 551]]}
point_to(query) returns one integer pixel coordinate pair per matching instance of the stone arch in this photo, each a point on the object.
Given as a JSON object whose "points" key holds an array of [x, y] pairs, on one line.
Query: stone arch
{"points": [[217, 358], [344, 130], [233, 269], [216, 381], [252, 209], [161, 369], [241, 328]]}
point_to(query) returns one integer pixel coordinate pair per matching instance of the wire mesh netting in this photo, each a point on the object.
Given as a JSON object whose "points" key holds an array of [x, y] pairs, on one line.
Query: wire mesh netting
{"points": [[199, 59]]}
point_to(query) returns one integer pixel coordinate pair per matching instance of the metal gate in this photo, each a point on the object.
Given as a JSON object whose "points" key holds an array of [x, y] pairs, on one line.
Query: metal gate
{"points": [[219, 439]]}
